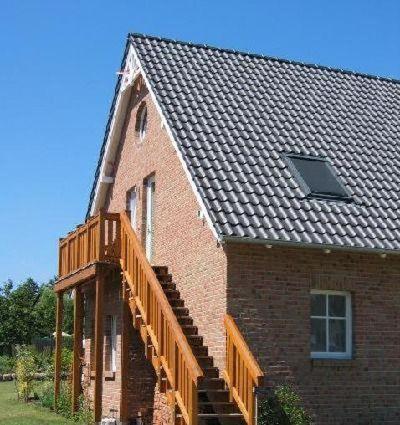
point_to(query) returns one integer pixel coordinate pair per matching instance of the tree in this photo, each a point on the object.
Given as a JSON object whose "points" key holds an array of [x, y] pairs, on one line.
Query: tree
{"points": [[21, 318], [29, 311], [45, 311]]}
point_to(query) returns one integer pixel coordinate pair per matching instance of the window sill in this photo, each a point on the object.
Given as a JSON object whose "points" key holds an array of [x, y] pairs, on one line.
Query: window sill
{"points": [[108, 376], [330, 362]]}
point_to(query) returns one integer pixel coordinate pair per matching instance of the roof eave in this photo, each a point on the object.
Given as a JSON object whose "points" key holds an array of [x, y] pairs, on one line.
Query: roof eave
{"points": [[290, 244]]}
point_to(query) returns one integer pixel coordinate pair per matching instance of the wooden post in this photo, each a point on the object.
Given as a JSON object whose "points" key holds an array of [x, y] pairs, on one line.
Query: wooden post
{"points": [[57, 366], [99, 343], [76, 366], [125, 340]]}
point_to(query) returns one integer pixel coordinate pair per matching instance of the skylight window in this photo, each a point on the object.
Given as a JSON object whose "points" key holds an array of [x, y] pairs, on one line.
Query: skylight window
{"points": [[317, 177]]}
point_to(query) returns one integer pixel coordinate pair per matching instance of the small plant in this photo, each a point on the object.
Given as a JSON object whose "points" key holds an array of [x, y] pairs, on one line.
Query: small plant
{"points": [[283, 407], [25, 370], [84, 414], [45, 394]]}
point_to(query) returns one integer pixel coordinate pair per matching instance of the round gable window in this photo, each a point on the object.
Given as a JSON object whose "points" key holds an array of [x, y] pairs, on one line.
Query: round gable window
{"points": [[141, 123]]}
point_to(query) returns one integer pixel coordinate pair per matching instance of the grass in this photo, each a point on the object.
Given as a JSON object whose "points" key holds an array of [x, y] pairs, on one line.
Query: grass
{"points": [[13, 412]]}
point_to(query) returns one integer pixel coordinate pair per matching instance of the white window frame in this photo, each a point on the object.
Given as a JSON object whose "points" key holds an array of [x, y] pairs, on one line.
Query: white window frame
{"points": [[143, 123], [133, 194], [348, 317], [150, 194], [113, 342]]}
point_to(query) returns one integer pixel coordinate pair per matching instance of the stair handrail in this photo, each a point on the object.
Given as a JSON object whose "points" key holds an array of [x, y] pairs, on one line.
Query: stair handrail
{"points": [[153, 305], [242, 373]]}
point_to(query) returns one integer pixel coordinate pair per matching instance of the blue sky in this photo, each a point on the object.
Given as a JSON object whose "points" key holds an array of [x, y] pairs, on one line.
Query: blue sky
{"points": [[58, 69]]}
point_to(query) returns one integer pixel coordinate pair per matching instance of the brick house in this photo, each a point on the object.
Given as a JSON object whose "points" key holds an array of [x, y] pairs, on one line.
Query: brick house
{"points": [[241, 232]]}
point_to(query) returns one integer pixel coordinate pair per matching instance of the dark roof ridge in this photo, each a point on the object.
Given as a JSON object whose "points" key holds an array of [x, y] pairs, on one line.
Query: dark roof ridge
{"points": [[261, 56]]}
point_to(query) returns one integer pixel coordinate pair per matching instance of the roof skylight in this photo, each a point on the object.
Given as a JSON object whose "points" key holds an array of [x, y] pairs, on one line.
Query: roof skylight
{"points": [[317, 177]]}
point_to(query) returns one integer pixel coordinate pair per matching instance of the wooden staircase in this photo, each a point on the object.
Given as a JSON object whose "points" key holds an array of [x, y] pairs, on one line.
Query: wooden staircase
{"points": [[214, 405], [186, 372]]}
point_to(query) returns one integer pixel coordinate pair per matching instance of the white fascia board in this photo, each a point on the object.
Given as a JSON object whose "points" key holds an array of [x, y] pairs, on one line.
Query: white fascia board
{"points": [[130, 74], [132, 70]]}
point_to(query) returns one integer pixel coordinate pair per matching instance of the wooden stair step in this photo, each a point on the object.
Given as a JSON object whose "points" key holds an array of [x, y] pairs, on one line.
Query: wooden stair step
{"points": [[213, 396], [160, 270], [164, 278], [168, 285], [218, 407], [181, 311], [195, 340], [172, 293], [185, 321], [220, 419], [200, 350], [176, 302], [205, 361], [189, 329], [211, 372], [212, 384]]}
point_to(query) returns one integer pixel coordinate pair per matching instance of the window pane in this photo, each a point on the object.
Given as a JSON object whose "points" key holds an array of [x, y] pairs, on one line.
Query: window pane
{"points": [[337, 335], [318, 335], [318, 305], [337, 305], [319, 177]]}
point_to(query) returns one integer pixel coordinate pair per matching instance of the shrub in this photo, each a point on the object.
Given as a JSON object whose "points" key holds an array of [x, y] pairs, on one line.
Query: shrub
{"points": [[45, 394], [7, 364], [64, 400], [43, 360], [45, 397], [283, 407], [67, 357], [25, 370]]}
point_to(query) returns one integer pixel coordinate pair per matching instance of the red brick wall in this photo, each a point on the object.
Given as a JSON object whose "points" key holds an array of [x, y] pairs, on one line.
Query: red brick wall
{"points": [[143, 395], [269, 297], [181, 240]]}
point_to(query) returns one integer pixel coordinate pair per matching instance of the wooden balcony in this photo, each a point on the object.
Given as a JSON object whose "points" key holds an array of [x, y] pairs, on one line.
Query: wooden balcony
{"points": [[96, 242]]}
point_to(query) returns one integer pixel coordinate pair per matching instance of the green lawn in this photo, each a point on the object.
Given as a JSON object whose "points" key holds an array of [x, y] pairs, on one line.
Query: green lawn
{"points": [[13, 412]]}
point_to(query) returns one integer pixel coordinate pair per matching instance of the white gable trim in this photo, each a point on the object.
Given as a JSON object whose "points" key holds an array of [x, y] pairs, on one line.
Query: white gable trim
{"points": [[132, 70]]}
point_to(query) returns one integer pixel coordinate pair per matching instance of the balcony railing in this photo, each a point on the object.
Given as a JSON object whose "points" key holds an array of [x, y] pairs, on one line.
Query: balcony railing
{"points": [[98, 240]]}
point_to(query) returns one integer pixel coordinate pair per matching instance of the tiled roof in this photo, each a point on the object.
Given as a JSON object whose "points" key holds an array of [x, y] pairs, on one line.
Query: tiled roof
{"points": [[235, 115]]}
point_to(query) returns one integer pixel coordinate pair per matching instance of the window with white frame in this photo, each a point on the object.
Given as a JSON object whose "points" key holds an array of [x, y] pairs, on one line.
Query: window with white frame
{"points": [[330, 324], [132, 206], [113, 344], [143, 123]]}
